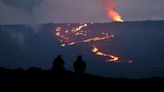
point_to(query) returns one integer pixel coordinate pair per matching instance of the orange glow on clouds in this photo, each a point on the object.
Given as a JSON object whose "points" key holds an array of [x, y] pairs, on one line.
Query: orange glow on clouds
{"points": [[115, 16], [109, 6]]}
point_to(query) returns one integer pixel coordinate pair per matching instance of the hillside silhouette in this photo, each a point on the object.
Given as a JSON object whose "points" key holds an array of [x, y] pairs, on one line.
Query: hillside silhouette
{"points": [[58, 73]]}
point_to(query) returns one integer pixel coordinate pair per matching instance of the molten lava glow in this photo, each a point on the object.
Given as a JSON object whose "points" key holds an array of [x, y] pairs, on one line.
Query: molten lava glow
{"points": [[109, 6], [79, 34], [97, 39], [112, 57]]}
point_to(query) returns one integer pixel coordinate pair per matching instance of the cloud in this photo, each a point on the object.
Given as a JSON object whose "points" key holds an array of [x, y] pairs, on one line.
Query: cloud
{"points": [[64, 11], [10, 15], [27, 5], [19, 11]]}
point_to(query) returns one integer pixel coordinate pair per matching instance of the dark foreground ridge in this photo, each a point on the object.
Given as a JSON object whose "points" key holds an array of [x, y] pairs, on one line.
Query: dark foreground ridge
{"points": [[58, 73]]}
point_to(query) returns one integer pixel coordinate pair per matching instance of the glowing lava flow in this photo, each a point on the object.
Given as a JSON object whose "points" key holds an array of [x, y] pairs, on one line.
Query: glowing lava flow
{"points": [[98, 38], [97, 52], [78, 35]]}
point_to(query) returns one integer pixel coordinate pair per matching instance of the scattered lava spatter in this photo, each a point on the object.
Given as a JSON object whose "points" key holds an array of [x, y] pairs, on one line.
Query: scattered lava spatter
{"points": [[74, 35]]}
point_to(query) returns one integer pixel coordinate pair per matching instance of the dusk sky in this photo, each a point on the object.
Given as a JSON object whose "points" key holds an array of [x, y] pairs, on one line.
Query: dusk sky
{"points": [[64, 11]]}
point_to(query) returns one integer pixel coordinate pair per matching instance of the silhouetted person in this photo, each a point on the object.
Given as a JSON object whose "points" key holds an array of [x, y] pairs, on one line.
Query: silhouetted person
{"points": [[79, 65], [58, 65]]}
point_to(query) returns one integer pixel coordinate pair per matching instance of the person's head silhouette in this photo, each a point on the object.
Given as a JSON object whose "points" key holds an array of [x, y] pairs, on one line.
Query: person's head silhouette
{"points": [[79, 65], [58, 64], [59, 56], [79, 57]]}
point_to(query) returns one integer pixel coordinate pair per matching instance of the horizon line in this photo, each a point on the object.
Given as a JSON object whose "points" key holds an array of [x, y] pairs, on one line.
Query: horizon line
{"points": [[81, 22]]}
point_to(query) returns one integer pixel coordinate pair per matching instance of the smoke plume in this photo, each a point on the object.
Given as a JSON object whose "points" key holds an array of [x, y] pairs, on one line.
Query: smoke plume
{"points": [[109, 7]]}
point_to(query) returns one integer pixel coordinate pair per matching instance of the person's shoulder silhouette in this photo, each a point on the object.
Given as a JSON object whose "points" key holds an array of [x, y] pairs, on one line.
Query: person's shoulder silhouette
{"points": [[58, 64], [79, 65]]}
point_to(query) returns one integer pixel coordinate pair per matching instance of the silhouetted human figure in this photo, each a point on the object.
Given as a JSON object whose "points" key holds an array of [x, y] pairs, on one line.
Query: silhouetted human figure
{"points": [[79, 65], [58, 65]]}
